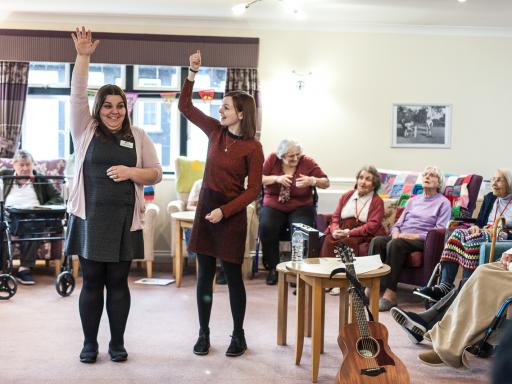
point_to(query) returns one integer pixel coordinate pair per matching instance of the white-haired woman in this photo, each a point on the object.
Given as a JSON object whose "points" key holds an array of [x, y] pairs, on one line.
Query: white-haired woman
{"points": [[288, 179], [463, 246], [422, 213]]}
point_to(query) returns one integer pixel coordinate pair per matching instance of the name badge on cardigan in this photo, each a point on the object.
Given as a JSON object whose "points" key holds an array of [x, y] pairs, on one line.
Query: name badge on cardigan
{"points": [[126, 144]]}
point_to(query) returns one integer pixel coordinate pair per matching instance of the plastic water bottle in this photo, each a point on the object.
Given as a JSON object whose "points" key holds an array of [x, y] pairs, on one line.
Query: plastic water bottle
{"points": [[297, 247]]}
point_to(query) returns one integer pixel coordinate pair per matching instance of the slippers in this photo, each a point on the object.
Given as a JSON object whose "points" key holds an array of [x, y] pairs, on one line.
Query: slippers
{"points": [[385, 305]]}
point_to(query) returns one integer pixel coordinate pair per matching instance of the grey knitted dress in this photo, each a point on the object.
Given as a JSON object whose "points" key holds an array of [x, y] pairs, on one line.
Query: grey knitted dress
{"points": [[105, 234]]}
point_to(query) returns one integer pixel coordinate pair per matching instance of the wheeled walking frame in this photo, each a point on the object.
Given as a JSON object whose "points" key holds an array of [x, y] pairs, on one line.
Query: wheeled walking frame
{"points": [[40, 223]]}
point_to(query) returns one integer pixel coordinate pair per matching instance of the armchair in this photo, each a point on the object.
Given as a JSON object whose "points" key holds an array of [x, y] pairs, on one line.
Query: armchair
{"points": [[148, 233], [500, 247], [48, 250]]}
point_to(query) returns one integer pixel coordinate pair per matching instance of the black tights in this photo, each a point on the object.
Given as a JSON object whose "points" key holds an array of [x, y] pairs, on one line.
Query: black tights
{"points": [[96, 276], [237, 300]]}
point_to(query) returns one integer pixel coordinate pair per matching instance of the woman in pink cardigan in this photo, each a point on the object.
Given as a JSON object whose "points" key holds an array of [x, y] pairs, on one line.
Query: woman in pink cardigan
{"points": [[358, 216]]}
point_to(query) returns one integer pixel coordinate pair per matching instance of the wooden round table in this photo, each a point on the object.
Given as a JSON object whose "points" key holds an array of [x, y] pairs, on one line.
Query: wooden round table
{"points": [[184, 219], [315, 273]]}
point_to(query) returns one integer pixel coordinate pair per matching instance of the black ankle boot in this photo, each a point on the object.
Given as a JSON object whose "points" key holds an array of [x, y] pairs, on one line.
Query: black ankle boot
{"points": [[89, 353], [238, 345], [272, 277], [117, 353], [202, 346]]}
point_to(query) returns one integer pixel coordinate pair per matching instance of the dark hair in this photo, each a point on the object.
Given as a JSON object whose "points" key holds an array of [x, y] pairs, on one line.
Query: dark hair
{"points": [[373, 171], [243, 102], [99, 100]]}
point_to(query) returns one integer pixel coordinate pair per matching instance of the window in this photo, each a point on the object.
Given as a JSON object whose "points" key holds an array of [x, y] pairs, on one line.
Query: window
{"points": [[101, 74], [48, 75], [154, 77], [46, 125]]}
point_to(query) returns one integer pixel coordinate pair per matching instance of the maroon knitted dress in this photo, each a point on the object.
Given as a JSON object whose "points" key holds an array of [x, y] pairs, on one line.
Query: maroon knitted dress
{"points": [[223, 185]]}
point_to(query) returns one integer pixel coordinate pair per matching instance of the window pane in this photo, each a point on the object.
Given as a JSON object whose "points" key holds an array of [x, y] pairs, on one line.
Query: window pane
{"points": [[160, 120], [101, 74], [45, 131], [155, 77], [197, 141], [48, 75], [211, 78]]}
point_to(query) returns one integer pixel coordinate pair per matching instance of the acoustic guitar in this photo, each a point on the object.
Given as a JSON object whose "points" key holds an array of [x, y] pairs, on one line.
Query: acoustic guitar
{"points": [[367, 358]]}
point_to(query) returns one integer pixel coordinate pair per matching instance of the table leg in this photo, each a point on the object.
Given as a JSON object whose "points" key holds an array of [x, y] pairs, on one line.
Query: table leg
{"points": [[374, 298], [307, 315], [178, 257], [316, 333], [343, 308], [322, 313], [299, 344], [282, 308]]}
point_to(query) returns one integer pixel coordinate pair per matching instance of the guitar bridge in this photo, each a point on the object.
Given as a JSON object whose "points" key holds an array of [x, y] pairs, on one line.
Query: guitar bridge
{"points": [[373, 371]]}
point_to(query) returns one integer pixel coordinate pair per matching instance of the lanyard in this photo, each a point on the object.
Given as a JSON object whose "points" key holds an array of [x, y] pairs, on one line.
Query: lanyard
{"points": [[496, 211], [358, 213]]}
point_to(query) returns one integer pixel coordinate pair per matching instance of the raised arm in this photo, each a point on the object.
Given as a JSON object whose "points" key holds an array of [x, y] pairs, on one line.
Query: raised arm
{"points": [[196, 116], [80, 113]]}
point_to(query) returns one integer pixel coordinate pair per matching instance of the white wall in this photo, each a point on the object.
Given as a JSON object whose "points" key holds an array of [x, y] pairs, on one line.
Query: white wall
{"points": [[343, 115]]}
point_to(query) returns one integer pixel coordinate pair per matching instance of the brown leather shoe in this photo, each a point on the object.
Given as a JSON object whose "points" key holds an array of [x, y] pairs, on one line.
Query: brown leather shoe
{"points": [[431, 358]]}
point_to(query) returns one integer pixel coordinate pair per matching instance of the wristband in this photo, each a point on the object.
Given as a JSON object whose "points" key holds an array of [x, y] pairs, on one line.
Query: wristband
{"points": [[193, 70]]}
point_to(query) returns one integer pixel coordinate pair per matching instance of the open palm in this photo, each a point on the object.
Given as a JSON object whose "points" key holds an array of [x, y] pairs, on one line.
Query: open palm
{"points": [[83, 42]]}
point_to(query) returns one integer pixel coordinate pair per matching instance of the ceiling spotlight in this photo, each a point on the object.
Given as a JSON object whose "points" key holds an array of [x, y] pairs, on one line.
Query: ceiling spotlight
{"points": [[240, 9], [289, 5], [461, 1]]}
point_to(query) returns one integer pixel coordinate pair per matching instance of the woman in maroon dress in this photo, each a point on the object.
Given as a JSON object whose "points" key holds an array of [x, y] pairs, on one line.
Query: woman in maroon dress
{"points": [[220, 224]]}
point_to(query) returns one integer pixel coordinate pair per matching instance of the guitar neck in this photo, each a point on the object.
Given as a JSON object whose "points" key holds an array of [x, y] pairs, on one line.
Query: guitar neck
{"points": [[358, 305]]}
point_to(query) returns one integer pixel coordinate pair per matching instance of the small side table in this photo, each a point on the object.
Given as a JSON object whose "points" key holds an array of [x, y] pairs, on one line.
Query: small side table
{"points": [[184, 220]]}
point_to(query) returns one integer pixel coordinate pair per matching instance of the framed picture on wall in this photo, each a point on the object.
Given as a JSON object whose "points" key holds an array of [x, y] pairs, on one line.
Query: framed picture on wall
{"points": [[422, 125]]}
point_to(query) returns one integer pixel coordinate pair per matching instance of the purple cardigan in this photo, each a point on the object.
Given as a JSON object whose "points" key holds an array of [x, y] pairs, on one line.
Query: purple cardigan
{"points": [[423, 213], [83, 127]]}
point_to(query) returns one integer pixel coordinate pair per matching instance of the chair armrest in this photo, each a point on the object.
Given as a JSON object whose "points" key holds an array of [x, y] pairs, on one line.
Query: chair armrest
{"points": [[150, 217], [323, 220], [485, 249], [434, 245], [175, 206]]}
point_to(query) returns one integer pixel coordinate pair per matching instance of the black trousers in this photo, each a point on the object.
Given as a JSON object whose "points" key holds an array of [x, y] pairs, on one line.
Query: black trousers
{"points": [[271, 223], [393, 253], [237, 298], [96, 277]]}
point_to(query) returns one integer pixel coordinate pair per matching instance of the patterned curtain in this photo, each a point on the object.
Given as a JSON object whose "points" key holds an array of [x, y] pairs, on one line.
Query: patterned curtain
{"points": [[13, 93], [246, 79]]}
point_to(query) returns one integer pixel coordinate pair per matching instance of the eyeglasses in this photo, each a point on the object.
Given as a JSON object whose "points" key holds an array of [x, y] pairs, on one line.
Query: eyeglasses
{"points": [[295, 155], [430, 174]]}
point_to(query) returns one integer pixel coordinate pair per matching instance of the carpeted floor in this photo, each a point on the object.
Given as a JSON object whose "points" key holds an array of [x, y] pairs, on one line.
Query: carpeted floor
{"points": [[41, 338]]}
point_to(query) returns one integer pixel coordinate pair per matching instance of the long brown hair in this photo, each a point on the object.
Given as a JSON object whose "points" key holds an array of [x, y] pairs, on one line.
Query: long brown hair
{"points": [[101, 95], [243, 102]]}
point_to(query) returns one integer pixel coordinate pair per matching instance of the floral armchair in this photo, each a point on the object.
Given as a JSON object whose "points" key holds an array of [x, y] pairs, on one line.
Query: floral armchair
{"points": [[48, 250]]}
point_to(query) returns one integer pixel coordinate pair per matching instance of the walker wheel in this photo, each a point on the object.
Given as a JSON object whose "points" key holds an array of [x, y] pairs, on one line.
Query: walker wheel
{"points": [[65, 284], [8, 286]]}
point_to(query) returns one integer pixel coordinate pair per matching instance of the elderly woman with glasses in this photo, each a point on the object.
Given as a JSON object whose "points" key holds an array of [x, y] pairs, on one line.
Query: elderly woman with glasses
{"points": [[424, 212], [288, 179], [463, 246]]}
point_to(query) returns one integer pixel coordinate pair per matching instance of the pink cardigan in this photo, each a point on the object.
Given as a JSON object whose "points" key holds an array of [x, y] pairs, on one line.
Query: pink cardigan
{"points": [[82, 132]]}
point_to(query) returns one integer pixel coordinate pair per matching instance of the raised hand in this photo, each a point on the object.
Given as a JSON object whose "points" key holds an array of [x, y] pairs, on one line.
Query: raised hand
{"points": [[195, 60], [83, 42]]}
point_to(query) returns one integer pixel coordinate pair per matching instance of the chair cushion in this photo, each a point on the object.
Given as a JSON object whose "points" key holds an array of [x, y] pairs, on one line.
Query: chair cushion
{"points": [[187, 172]]}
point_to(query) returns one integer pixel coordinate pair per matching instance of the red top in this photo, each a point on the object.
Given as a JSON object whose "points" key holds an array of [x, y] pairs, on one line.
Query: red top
{"points": [[299, 197], [372, 227], [223, 185]]}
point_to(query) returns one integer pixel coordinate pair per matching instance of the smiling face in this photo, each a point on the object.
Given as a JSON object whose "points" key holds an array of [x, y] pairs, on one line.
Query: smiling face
{"points": [[229, 116], [291, 157], [364, 183], [113, 112], [499, 185]]}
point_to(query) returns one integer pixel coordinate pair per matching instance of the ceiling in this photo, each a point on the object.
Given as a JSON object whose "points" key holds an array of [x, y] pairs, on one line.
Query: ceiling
{"points": [[484, 16]]}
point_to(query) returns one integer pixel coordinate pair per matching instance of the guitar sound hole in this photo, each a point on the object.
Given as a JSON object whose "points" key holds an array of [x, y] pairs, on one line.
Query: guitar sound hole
{"points": [[368, 347]]}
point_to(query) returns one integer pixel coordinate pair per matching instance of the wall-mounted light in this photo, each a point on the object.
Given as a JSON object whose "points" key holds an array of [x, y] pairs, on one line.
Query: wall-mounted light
{"points": [[289, 5], [301, 79]]}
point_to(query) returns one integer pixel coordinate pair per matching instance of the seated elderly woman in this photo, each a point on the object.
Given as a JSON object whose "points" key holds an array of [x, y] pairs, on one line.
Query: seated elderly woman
{"points": [[358, 216], [422, 213], [463, 246], [479, 300], [288, 179]]}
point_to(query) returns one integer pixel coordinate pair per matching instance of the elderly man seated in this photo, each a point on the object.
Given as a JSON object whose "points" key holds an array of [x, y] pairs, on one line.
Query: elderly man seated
{"points": [[23, 193]]}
